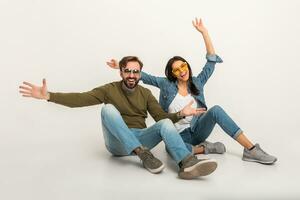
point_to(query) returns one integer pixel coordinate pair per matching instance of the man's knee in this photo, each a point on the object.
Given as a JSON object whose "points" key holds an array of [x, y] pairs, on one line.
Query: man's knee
{"points": [[166, 123], [108, 109], [109, 112]]}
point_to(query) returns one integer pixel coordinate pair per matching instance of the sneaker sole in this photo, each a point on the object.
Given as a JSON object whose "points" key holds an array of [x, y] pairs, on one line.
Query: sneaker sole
{"points": [[258, 161], [156, 170], [202, 168]]}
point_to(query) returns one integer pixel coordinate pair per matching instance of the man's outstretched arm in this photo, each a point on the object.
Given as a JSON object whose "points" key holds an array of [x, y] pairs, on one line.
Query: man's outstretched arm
{"points": [[93, 97]]}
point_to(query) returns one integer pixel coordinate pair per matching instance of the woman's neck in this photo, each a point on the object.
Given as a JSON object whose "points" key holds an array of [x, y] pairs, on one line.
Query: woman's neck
{"points": [[182, 88], [182, 84]]}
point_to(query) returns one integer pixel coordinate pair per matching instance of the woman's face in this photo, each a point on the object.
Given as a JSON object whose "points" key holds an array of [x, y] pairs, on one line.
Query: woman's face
{"points": [[180, 70]]}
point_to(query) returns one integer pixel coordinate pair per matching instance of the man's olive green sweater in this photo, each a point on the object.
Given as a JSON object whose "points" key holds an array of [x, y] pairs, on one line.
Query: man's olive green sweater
{"points": [[133, 106]]}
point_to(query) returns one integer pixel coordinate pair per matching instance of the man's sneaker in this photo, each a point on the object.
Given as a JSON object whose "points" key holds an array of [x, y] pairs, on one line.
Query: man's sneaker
{"points": [[151, 163], [210, 147], [258, 155], [191, 167]]}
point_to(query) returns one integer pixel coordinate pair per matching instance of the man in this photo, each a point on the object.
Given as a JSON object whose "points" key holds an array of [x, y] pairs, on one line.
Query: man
{"points": [[123, 120]]}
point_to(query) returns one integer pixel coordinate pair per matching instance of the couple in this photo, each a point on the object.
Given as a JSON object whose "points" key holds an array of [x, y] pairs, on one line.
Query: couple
{"points": [[181, 102]]}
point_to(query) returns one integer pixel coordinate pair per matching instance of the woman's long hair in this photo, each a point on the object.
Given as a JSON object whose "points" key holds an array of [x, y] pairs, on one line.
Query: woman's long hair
{"points": [[168, 72]]}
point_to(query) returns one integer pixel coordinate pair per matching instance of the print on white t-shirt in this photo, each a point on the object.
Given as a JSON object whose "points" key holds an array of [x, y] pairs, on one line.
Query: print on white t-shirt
{"points": [[178, 103]]}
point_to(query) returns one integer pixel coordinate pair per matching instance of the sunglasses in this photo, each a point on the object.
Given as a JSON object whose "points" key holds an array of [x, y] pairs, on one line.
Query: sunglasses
{"points": [[182, 68], [133, 71]]}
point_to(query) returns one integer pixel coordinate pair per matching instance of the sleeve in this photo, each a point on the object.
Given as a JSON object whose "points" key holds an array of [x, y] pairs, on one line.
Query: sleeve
{"points": [[72, 100], [152, 80], [157, 112], [208, 68]]}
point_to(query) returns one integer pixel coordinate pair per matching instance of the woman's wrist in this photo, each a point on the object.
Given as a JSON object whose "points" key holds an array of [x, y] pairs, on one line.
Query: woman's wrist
{"points": [[204, 33]]}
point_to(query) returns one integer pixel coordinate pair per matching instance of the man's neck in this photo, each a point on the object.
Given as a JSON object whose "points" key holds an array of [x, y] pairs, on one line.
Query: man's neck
{"points": [[126, 89]]}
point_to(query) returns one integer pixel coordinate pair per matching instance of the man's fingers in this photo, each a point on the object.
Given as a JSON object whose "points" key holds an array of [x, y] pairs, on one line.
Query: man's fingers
{"points": [[25, 93], [199, 112], [201, 109], [191, 102], [25, 88], [29, 84], [44, 82]]}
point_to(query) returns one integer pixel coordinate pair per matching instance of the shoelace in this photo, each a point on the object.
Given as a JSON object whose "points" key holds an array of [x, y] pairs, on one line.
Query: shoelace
{"points": [[262, 150], [145, 155]]}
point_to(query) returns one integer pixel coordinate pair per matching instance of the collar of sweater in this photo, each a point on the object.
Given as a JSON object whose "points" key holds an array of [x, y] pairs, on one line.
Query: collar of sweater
{"points": [[128, 90]]}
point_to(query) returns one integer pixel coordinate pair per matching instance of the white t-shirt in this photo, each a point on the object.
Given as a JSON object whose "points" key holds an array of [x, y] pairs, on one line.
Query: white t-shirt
{"points": [[178, 103]]}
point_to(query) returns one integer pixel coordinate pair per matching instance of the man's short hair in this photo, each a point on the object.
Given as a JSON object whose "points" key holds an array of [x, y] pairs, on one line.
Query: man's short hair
{"points": [[123, 62]]}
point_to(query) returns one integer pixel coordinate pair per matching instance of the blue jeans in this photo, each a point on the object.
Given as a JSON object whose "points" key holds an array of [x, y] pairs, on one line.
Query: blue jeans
{"points": [[206, 123], [121, 140]]}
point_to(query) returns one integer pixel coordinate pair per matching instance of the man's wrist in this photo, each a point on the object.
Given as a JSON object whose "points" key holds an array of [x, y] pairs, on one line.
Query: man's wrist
{"points": [[47, 96], [180, 115]]}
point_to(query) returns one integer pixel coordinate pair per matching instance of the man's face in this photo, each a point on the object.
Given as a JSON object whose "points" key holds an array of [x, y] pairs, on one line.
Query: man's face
{"points": [[131, 74]]}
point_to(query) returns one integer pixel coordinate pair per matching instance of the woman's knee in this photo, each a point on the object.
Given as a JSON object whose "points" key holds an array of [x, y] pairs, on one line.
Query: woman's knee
{"points": [[216, 109]]}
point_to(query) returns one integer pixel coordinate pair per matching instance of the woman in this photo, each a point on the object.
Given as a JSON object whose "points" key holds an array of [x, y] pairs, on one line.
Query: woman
{"points": [[180, 88]]}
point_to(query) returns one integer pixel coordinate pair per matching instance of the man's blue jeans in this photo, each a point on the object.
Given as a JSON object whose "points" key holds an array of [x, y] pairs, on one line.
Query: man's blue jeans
{"points": [[205, 124], [121, 140]]}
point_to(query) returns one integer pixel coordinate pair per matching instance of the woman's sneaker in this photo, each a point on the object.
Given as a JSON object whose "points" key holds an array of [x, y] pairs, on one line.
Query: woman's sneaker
{"points": [[210, 147], [192, 167], [258, 155], [151, 163]]}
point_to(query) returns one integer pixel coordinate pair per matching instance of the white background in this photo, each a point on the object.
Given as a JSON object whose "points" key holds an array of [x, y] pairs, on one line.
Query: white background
{"points": [[52, 152]]}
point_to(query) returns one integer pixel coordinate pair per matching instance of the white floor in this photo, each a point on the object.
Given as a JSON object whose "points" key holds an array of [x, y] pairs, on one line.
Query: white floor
{"points": [[65, 158]]}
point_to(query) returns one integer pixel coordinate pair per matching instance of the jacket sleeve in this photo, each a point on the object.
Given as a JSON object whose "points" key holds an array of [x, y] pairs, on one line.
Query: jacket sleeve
{"points": [[72, 100], [208, 68], [157, 112], [152, 80]]}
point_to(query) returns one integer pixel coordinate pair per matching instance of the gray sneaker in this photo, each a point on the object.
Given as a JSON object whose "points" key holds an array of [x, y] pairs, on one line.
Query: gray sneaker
{"points": [[258, 155], [210, 147], [151, 163], [192, 167]]}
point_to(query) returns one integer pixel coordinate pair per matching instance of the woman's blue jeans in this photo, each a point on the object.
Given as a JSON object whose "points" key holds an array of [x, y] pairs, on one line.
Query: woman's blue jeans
{"points": [[205, 124]]}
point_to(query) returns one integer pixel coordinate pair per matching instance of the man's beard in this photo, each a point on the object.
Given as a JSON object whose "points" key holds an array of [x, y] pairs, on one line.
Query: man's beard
{"points": [[131, 84]]}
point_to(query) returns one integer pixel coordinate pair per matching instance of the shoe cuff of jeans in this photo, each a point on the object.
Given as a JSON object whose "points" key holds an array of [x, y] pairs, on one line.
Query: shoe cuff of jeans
{"points": [[237, 133]]}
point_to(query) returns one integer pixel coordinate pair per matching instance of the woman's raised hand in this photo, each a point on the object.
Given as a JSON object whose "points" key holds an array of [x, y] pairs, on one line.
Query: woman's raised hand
{"points": [[113, 63], [197, 23]]}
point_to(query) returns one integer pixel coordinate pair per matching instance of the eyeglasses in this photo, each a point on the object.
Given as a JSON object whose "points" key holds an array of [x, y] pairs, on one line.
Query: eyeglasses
{"points": [[133, 71], [182, 68]]}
